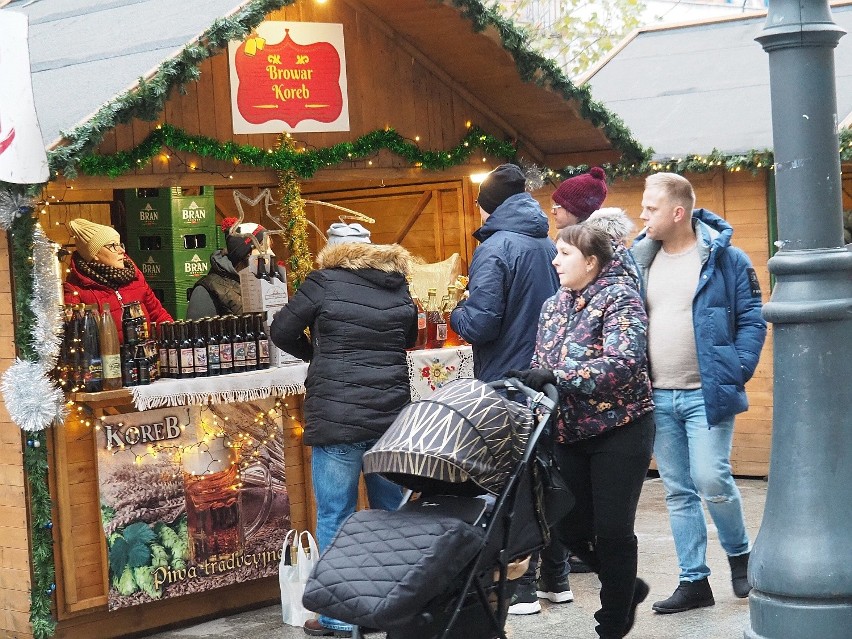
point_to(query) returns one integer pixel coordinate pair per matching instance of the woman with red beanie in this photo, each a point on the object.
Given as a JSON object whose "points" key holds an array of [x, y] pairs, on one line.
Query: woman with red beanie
{"points": [[578, 197]]}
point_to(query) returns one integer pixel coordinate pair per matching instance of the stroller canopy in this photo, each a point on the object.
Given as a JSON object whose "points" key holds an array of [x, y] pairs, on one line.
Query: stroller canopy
{"points": [[464, 432]]}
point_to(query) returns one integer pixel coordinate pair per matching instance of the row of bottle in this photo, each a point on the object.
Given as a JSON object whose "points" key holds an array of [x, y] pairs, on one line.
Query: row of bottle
{"points": [[89, 356], [433, 320], [213, 346]]}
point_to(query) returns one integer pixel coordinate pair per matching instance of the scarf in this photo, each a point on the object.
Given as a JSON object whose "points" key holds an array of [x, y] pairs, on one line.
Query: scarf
{"points": [[107, 275]]}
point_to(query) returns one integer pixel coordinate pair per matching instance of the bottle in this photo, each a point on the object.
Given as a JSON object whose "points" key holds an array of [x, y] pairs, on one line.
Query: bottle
{"points": [[250, 340], [186, 352], [450, 301], [214, 363], [128, 325], [226, 347], [199, 346], [92, 363], [262, 273], [262, 341], [129, 374], [173, 346], [436, 325], [421, 323], [143, 369], [273, 270], [239, 345], [163, 341], [110, 351]]}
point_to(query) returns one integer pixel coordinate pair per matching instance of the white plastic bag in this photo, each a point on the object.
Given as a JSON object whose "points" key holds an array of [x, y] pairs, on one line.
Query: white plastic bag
{"points": [[298, 557]]}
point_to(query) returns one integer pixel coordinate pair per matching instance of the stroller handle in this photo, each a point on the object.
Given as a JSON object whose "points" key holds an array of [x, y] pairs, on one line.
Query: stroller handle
{"points": [[547, 397]]}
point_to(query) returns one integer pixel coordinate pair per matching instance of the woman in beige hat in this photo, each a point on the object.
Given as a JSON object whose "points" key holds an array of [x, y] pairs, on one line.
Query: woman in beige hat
{"points": [[101, 273]]}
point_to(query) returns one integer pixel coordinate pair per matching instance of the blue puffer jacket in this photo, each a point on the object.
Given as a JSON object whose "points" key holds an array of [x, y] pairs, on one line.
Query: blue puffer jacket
{"points": [[511, 276], [729, 329]]}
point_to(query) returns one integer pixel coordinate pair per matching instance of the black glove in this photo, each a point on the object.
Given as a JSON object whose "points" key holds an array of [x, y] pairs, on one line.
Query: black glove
{"points": [[535, 378]]}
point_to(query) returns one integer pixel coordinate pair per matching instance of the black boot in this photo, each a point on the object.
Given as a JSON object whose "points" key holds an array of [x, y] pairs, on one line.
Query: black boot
{"points": [[739, 575], [640, 593], [617, 559], [689, 595]]}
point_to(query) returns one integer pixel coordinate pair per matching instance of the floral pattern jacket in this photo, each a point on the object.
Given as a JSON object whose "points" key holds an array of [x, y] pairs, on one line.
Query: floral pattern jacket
{"points": [[595, 342]]}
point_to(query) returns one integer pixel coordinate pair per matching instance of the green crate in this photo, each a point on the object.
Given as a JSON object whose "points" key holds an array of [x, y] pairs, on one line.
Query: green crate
{"points": [[169, 208], [175, 299], [154, 240], [173, 267]]}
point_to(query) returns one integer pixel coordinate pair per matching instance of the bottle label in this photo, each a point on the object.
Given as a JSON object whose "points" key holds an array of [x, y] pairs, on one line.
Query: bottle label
{"points": [[200, 356], [187, 363], [263, 346], [213, 354], [421, 321], [173, 361], [111, 366], [93, 372], [441, 332], [251, 353], [226, 355], [240, 352], [164, 358]]}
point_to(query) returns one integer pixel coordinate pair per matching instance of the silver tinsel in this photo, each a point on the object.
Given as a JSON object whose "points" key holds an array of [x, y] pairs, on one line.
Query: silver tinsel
{"points": [[12, 205], [535, 175], [47, 300], [33, 400]]}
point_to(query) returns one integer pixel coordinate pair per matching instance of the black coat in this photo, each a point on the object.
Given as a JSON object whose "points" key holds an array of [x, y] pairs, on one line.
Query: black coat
{"points": [[362, 319]]}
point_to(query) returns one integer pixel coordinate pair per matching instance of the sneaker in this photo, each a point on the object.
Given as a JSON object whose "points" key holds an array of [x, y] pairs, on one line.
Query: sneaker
{"points": [[314, 628], [558, 592], [689, 595], [524, 601]]}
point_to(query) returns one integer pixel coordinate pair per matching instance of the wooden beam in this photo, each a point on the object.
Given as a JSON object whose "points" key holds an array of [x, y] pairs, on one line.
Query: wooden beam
{"points": [[418, 209]]}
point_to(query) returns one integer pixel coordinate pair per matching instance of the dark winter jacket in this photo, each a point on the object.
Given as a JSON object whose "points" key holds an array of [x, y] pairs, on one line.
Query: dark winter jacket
{"points": [[218, 292], [726, 314], [511, 274], [81, 289], [362, 319], [595, 342]]}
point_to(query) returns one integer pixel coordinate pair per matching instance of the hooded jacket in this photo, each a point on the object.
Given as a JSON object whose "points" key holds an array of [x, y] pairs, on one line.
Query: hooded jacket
{"points": [[726, 313], [218, 292], [82, 289], [362, 320], [511, 275], [595, 342]]}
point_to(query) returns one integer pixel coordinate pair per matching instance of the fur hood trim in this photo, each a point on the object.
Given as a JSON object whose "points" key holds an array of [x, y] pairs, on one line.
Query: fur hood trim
{"points": [[388, 258], [613, 220]]}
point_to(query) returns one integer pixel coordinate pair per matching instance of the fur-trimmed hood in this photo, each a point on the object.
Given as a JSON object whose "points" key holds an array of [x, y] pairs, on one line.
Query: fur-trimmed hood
{"points": [[388, 258], [614, 221]]}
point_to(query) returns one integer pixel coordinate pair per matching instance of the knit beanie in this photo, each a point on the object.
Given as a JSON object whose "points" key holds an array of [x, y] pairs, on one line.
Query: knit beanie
{"points": [[499, 185], [238, 247], [91, 237], [582, 195], [340, 232]]}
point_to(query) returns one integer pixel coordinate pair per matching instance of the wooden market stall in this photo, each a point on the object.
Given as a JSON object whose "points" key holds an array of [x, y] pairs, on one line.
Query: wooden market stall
{"points": [[447, 77]]}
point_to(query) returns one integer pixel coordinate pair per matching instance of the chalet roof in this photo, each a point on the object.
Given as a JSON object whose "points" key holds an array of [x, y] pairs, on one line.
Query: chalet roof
{"points": [[86, 54], [693, 88]]}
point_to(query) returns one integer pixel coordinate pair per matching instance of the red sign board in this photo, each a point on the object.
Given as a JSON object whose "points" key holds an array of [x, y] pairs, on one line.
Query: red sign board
{"points": [[292, 83]]}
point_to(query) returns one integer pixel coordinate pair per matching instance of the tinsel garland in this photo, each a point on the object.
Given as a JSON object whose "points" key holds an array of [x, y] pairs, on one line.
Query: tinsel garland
{"points": [[302, 162], [293, 213]]}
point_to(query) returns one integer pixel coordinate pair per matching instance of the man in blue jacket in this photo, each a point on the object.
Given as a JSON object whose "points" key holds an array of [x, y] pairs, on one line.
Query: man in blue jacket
{"points": [[705, 334], [510, 276]]}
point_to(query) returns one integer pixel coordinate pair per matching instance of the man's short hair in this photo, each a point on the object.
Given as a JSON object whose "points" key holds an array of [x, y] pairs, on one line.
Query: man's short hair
{"points": [[677, 188]]}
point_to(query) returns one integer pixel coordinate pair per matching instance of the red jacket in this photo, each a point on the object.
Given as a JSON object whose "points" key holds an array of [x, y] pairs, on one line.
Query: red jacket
{"points": [[81, 289]]}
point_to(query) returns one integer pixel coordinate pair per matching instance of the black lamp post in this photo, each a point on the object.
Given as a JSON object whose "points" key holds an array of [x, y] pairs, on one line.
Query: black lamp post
{"points": [[801, 565]]}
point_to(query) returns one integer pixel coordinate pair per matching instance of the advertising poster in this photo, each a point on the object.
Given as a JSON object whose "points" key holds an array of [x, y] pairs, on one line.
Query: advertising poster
{"points": [[192, 498], [289, 76], [22, 156]]}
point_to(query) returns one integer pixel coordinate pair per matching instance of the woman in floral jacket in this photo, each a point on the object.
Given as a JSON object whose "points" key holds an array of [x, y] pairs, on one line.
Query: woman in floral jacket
{"points": [[591, 345]]}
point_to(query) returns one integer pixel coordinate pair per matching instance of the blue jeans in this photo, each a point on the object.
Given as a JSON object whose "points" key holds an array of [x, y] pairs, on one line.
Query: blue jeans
{"points": [[335, 470], [693, 458]]}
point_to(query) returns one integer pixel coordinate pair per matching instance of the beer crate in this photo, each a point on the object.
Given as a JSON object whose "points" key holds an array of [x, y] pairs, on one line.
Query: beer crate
{"points": [[175, 299], [155, 239], [173, 267], [169, 208]]}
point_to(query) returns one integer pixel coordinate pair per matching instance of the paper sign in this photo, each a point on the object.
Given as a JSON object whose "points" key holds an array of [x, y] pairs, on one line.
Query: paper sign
{"points": [[289, 76], [22, 156]]}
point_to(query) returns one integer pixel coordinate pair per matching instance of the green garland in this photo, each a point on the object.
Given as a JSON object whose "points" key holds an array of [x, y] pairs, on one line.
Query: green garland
{"points": [[303, 163], [35, 453], [292, 207]]}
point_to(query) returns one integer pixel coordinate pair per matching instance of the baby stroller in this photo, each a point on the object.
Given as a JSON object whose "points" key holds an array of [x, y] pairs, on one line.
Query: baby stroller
{"points": [[437, 567]]}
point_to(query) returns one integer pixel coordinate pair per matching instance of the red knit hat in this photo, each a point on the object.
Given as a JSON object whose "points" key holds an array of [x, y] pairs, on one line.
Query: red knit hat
{"points": [[582, 195]]}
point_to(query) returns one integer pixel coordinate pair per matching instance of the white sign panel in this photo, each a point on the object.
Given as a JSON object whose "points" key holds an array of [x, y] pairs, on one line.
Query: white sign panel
{"points": [[22, 156]]}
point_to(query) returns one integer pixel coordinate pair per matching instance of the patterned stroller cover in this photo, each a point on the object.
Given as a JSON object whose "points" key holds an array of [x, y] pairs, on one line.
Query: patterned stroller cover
{"points": [[465, 437]]}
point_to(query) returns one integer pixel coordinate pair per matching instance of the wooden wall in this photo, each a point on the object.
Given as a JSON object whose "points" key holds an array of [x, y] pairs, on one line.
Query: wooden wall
{"points": [[14, 520], [741, 199]]}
